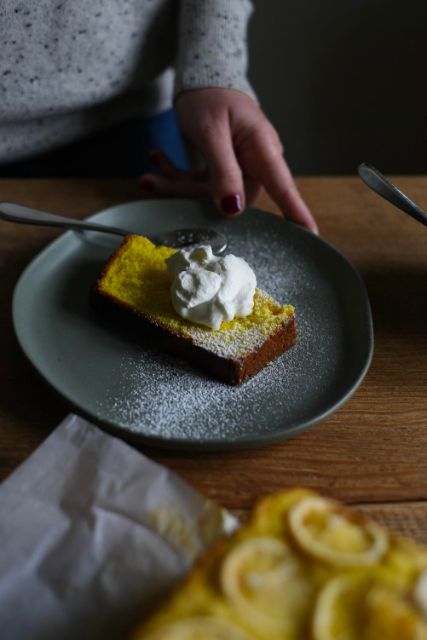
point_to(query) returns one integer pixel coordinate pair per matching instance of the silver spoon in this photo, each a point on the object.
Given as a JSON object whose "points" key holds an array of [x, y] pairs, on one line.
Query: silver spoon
{"points": [[179, 238], [381, 185]]}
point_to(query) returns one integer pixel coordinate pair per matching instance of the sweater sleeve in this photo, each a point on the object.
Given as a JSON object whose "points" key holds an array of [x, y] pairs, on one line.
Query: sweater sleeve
{"points": [[212, 47]]}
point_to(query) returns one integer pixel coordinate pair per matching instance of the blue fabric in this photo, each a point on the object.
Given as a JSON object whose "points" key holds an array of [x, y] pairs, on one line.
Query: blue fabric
{"points": [[162, 132]]}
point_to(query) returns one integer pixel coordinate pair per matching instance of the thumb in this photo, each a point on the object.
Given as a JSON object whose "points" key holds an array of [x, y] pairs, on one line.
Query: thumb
{"points": [[225, 176]]}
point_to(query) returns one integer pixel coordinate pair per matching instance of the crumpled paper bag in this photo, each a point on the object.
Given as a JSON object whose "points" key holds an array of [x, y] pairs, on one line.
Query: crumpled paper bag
{"points": [[92, 535]]}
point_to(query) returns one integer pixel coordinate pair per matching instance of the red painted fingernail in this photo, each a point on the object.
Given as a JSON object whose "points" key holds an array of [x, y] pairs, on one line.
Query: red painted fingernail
{"points": [[147, 184], [231, 204]]}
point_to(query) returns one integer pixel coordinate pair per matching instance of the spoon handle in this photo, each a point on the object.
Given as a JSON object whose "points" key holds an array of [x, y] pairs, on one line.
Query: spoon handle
{"points": [[18, 213], [386, 189], [178, 238]]}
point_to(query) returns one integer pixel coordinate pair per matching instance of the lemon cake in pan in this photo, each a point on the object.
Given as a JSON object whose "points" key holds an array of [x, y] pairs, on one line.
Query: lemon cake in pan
{"points": [[135, 286], [303, 568]]}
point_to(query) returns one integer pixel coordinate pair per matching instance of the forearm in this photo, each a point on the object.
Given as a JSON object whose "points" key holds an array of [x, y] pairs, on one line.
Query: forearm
{"points": [[212, 50]]}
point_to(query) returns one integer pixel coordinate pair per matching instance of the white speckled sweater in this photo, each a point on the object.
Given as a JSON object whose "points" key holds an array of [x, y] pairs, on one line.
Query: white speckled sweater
{"points": [[71, 67]]}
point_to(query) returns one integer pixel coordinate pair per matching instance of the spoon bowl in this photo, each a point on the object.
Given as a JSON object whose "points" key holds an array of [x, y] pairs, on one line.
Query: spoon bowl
{"points": [[178, 238]]}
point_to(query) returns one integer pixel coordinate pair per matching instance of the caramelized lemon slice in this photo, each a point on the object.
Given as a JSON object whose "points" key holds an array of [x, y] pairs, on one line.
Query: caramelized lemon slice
{"points": [[355, 608], [337, 610], [200, 628], [329, 533], [264, 582], [392, 615], [420, 593]]}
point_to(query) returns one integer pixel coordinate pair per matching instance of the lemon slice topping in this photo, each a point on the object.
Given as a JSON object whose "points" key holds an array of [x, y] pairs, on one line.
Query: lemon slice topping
{"points": [[265, 582], [392, 615], [336, 612], [328, 533]]}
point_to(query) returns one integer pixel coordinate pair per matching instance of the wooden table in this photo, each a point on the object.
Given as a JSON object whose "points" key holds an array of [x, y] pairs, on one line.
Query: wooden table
{"points": [[372, 452]]}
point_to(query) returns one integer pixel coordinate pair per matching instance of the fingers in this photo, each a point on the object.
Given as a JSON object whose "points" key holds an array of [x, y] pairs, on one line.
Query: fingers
{"points": [[235, 171], [282, 188], [222, 180], [174, 181], [205, 117], [241, 149], [182, 186], [168, 169], [275, 176], [252, 190], [171, 181], [225, 176], [165, 165], [164, 186]]}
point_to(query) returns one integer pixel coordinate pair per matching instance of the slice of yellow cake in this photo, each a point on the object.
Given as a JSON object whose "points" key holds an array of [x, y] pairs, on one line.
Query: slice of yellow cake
{"points": [[303, 568], [135, 284]]}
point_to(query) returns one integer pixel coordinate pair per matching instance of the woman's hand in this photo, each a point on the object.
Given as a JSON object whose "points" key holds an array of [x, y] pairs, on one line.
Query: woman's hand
{"points": [[242, 152]]}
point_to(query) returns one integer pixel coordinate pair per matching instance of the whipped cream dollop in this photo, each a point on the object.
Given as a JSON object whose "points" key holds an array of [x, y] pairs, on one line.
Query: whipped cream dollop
{"points": [[207, 289]]}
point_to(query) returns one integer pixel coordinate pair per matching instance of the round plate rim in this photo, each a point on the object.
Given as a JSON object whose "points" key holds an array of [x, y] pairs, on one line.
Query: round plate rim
{"points": [[178, 443]]}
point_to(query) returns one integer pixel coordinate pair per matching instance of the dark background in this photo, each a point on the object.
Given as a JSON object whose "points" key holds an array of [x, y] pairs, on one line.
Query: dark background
{"points": [[344, 81]]}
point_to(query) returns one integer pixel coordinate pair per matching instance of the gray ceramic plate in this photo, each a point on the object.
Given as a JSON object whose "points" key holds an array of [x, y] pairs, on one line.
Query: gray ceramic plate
{"points": [[141, 392]]}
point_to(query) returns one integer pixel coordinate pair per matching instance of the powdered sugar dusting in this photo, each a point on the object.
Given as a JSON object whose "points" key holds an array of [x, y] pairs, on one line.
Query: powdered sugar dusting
{"points": [[161, 397], [237, 343]]}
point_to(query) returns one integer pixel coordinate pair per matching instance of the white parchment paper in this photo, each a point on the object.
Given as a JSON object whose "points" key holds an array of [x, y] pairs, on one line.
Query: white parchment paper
{"points": [[92, 535]]}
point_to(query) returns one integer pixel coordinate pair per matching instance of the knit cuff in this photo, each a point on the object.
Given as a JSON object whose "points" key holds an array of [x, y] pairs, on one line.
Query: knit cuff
{"points": [[212, 49]]}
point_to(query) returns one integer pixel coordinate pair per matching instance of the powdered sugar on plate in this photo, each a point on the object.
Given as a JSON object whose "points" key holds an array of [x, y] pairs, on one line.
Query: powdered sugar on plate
{"points": [[140, 391], [161, 398]]}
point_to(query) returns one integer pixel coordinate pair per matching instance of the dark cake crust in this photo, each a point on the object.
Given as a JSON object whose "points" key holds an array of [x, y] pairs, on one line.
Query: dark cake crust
{"points": [[232, 371]]}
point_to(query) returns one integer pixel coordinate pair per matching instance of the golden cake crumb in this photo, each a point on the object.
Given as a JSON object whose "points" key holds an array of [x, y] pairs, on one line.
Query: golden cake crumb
{"points": [[139, 278]]}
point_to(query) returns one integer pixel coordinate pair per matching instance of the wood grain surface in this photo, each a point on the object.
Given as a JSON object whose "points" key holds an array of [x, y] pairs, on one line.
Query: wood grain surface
{"points": [[372, 452]]}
